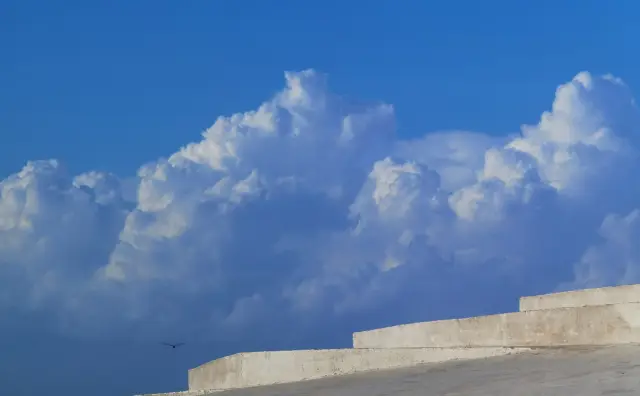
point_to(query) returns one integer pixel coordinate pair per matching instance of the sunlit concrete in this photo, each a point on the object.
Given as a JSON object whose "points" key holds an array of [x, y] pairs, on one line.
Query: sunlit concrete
{"points": [[582, 298], [582, 342], [266, 368], [584, 371], [591, 325]]}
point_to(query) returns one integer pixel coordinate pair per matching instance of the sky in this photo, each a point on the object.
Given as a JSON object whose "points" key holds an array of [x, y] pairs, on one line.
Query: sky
{"points": [[251, 175]]}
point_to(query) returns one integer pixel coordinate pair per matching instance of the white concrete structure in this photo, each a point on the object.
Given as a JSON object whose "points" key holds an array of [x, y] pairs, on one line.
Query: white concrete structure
{"points": [[591, 325], [206, 392], [610, 371], [584, 318], [267, 368], [582, 298]]}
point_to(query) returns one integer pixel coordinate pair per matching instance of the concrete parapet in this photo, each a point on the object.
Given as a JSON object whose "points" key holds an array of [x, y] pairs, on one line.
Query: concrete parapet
{"points": [[591, 317], [590, 325], [202, 392], [267, 368], [583, 371], [582, 298]]}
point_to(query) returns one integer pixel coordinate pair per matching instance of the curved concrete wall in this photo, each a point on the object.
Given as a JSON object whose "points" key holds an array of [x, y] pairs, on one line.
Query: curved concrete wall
{"points": [[594, 325], [183, 393], [267, 368], [582, 298], [605, 316]]}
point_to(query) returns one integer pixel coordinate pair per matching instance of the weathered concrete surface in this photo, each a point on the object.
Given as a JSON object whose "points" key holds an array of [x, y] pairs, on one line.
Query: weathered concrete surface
{"points": [[267, 368], [204, 392], [592, 325], [610, 371], [582, 298]]}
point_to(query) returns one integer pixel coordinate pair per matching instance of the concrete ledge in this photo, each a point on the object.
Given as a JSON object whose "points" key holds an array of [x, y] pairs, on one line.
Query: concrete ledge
{"points": [[592, 325], [185, 393], [268, 368], [582, 298]]}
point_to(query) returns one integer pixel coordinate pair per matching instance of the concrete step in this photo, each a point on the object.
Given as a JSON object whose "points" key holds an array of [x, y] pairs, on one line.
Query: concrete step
{"points": [[251, 369], [204, 392], [593, 371], [582, 298], [590, 325]]}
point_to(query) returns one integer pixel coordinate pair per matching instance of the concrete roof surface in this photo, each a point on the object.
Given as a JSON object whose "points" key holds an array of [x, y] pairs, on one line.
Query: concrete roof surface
{"points": [[583, 371]]}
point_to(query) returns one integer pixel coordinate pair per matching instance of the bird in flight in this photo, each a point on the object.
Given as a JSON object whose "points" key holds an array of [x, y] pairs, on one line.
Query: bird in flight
{"points": [[173, 346]]}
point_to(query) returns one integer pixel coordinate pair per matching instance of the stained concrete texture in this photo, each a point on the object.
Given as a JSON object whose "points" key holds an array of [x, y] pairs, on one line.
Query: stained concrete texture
{"points": [[582, 298], [590, 325], [568, 371], [267, 368]]}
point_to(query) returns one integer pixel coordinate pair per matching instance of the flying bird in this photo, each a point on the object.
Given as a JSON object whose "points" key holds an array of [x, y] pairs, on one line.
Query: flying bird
{"points": [[173, 346]]}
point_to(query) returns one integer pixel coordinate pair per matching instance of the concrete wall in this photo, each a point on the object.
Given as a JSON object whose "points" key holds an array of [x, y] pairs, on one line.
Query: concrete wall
{"points": [[183, 393], [593, 325], [581, 298], [267, 368], [605, 316]]}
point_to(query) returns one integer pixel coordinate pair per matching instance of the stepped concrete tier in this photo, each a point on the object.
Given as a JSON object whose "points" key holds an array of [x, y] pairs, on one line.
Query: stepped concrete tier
{"points": [[185, 393], [591, 371], [266, 368], [582, 298], [591, 325], [586, 319]]}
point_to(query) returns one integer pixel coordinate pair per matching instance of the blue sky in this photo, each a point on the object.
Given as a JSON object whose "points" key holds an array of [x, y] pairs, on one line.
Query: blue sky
{"points": [[86, 79], [325, 211]]}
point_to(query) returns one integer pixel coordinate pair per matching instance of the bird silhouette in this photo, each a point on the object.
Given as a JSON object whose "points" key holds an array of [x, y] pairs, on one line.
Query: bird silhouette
{"points": [[173, 346]]}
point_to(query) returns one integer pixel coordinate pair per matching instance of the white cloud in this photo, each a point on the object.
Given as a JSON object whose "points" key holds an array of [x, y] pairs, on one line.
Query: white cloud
{"points": [[310, 210], [55, 232], [617, 258]]}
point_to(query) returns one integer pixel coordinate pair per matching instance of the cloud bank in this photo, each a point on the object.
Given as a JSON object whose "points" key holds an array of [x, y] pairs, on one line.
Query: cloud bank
{"points": [[308, 217]]}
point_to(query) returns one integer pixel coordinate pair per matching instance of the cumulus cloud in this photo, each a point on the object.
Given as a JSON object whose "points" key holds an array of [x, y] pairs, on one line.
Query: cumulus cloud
{"points": [[55, 232], [310, 210]]}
